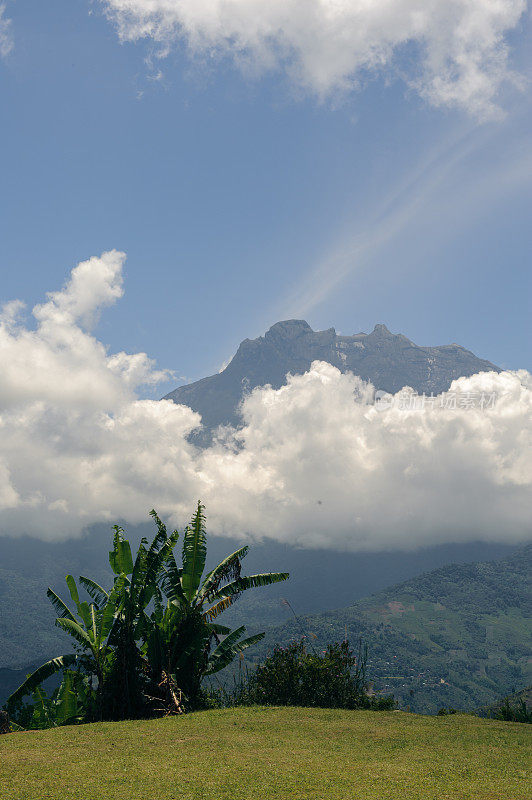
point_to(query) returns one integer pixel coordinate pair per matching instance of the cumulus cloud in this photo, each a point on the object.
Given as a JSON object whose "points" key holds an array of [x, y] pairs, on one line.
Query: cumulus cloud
{"points": [[453, 52], [73, 433], [6, 37], [319, 463], [314, 463]]}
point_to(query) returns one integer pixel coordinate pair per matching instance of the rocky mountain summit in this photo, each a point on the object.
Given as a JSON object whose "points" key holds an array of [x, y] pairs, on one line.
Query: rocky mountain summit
{"points": [[390, 361]]}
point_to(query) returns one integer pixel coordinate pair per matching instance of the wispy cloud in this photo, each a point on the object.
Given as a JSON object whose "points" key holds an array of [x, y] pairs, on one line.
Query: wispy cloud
{"points": [[453, 52], [435, 189], [6, 34]]}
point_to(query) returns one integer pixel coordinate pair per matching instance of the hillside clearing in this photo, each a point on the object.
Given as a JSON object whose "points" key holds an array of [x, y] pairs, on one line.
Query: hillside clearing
{"points": [[271, 753]]}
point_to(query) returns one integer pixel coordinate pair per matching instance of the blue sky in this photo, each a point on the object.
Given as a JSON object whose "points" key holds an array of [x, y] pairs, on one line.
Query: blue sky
{"points": [[341, 161], [241, 198]]}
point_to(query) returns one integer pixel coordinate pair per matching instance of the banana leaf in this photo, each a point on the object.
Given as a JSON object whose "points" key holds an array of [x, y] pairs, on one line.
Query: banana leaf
{"points": [[194, 553], [34, 680], [94, 590], [229, 648], [67, 702], [228, 569], [120, 557], [249, 582]]}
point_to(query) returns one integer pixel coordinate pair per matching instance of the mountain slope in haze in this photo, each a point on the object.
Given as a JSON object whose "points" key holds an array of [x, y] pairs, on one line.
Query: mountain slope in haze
{"points": [[319, 580], [390, 361], [458, 636]]}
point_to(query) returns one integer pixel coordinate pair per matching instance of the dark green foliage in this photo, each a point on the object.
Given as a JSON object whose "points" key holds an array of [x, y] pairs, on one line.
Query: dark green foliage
{"points": [[73, 701], [517, 707], [124, 682], [458, 636], [144, 646], [292, 676], [5, 722], [514, 712]]}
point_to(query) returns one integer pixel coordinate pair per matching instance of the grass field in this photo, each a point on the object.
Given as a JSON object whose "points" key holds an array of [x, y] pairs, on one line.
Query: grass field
{"points": [[264, 753]]}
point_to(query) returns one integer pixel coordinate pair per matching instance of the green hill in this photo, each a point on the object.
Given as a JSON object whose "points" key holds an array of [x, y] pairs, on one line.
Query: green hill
{"points": [[319, 580], [514, 700], [458, 636], [281, 753]]}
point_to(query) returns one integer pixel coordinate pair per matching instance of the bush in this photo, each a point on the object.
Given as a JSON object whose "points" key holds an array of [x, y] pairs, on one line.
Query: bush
{"points": [[509, 712], [291, 676]]}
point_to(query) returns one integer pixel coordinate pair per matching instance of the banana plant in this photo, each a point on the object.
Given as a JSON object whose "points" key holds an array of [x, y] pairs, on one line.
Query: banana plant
{"points": [[186, 587], [139, 578], [180, 642], [125, 684], [90, 626], [156, 629], [67, 705], [107, 629]]}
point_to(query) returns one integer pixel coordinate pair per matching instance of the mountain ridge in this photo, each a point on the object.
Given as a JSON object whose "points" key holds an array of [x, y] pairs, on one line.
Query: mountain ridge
{"points": [[389, 361]]}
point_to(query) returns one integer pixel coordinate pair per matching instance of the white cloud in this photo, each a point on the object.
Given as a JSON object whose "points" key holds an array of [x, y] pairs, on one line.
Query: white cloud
{"points": [[318, 468], [71, 425], [315, 462], [453, 52], [6, 37]]}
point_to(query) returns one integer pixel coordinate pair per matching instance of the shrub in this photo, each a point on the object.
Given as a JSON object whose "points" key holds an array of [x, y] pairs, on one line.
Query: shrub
{"points": [[518, 712], [291, 676]]}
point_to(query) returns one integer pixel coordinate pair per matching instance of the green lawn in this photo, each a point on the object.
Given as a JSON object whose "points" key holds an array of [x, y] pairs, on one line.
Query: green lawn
{"points": [[279, 753]]}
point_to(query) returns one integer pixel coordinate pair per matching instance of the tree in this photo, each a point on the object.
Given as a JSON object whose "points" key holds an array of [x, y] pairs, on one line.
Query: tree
{"points": [[291, 676]]}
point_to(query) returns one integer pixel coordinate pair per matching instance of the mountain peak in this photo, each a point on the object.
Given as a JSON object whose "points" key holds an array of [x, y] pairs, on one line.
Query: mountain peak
{"points": [[381, 330], [289, 328], [388, 360]]}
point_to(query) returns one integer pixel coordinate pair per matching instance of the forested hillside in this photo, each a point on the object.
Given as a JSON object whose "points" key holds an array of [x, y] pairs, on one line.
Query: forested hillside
{"points": [[319, 580], [458, 636]]}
